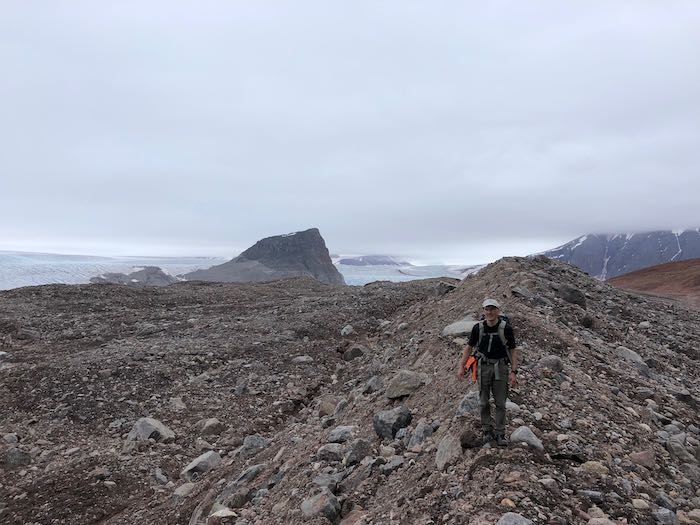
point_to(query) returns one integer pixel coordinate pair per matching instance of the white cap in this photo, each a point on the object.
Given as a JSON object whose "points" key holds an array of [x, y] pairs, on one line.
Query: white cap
{"points": [[491, 302]]}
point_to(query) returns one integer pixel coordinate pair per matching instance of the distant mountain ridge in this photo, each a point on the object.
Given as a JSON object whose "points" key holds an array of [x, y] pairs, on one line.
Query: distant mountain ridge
{"points": [[372, 260], [606, 256], [296, 254]]}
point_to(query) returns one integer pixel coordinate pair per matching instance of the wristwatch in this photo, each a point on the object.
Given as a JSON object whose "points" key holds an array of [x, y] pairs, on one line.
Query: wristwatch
{"points": [[514, 372]]}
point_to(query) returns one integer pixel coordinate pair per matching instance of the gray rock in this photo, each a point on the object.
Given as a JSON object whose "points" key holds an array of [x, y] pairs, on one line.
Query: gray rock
{"points": [[676, 447], [594, 496], [374, 384], [302, 359], [422, 431], [388, 422], [644, 325], [444, 288], [525, 435], [329, 481], [200, 466], [512, 518], [358, 449], [522, 291], [665, 516], [449, 451], [404, 383], [572, 295], [353, 353], [324, 504], [552, 362], [250, 474], [148, 428], [459, 328], [347, 330], [252, 445], [469, 403], [629, 355], [11, 439], [330, 452], [182, 492], [394, 463], [642, 393], [512, 407], [341, 434], [160, 477], [210, 427], [664, 500], [15, 457]]}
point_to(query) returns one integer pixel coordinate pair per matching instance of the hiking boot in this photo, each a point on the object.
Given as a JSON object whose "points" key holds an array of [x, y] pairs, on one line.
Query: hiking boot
{"points": [[488, 437], [501, 441]]}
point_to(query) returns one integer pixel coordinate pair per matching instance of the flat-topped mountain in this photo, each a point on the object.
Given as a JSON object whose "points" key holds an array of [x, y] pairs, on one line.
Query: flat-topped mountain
{"points": [[606, 256], [292, 255]]}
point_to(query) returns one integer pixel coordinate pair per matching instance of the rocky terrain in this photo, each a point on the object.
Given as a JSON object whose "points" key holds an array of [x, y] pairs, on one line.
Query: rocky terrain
{"points": [[680, 280], [292, 255], [606, 256], [145, 277], [299, 402]]}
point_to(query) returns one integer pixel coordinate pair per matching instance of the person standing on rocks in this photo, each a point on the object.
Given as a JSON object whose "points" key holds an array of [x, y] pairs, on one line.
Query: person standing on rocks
{"points": [[492, 343]]}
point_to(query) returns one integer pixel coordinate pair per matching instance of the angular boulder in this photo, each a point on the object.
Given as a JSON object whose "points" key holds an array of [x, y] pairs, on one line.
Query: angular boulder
{"points": [[324, 504], [459, 328], [404, 383], [200, 466], [388, 422], [449, 451], [149, 428]]}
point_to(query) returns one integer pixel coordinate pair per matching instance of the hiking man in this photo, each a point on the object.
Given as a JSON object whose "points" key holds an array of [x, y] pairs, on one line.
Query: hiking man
{"points": [[492, 343]]}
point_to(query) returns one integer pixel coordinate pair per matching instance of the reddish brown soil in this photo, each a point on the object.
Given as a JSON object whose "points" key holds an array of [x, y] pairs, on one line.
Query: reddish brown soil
{"points": [[679, 280]]}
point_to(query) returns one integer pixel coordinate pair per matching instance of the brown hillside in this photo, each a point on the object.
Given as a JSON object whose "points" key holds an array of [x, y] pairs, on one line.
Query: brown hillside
{"points": [[679, 280]]}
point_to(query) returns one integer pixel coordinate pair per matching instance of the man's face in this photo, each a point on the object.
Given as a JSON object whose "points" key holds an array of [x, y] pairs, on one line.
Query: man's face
{"points": [[491, 313]]}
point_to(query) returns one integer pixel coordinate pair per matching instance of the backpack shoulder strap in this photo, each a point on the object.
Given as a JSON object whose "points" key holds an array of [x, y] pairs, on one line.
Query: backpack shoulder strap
{"points": [[502, 332], [481, 333], [502, 336]]}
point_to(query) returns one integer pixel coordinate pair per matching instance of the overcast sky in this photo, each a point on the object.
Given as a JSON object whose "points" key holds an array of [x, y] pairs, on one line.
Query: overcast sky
{"points": [[438, 131]]}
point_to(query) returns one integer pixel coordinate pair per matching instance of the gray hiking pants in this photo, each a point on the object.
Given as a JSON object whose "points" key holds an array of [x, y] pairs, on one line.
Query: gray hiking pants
{"points": [[499, 387]]}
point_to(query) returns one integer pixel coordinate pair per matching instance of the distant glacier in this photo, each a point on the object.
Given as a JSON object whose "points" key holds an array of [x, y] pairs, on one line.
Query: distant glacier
{"points": [[31, 269], [19, 269]]}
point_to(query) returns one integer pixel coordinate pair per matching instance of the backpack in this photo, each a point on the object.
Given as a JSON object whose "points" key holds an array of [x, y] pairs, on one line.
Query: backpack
{"points": [[502, 322]]}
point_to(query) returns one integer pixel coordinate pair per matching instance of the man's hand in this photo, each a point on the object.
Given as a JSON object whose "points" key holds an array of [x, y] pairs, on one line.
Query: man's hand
{"points": [[512, 379], [460, 373]]}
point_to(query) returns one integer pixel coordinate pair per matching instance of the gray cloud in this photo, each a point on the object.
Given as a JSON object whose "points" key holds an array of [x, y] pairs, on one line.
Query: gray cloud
{"points": [[443, 132]]}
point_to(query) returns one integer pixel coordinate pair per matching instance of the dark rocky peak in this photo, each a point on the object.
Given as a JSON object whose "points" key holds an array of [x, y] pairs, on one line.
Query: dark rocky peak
{"points": [[607, 255], [146, 276], [296, 254]]}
